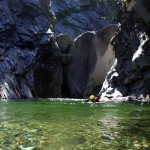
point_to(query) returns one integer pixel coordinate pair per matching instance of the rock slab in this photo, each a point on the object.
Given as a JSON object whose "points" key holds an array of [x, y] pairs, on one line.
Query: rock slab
{"points": [[92, 57]]}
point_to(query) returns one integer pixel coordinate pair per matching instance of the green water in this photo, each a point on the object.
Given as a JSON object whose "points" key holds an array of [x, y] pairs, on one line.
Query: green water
{"points": [[74, 126]]}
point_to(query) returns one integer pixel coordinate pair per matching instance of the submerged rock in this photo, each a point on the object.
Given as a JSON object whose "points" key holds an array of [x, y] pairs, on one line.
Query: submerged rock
{"points": [[92, 57], [130, 75]]}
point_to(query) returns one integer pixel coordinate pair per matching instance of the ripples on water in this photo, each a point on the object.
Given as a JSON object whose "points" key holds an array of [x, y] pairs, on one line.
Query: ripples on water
{"points": [[73, 125]]}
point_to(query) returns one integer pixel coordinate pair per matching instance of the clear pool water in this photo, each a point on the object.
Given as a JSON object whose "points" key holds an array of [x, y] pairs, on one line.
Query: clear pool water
{"points": [[74, 126]]}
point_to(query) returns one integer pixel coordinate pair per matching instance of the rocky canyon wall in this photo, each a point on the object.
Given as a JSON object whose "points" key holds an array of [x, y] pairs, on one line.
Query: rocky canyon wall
{"points": [[29, 57], [129, 78], [75, 17]]}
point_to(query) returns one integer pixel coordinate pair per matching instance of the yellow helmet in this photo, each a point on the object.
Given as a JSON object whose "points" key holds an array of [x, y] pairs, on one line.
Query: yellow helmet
{"points": [[92, 97]]}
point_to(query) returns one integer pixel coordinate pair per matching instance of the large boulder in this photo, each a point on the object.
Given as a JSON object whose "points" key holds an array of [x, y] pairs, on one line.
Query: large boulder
{"points": [[23, 26], [129, 78], [92, 57]]}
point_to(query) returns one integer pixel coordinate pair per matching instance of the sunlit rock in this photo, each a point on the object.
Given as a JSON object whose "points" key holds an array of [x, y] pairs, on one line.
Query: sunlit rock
{"points": [[130, 75], [92, 57]]}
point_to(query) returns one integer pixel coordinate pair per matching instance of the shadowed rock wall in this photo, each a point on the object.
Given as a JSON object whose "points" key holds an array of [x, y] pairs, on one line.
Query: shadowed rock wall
{"points": [[129, 78], [25, 41]]}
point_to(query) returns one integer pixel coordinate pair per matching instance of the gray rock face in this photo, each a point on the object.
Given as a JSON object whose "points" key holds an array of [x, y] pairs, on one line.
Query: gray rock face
{"points": [[92, 57], [64, 42], [24, 31], [75, 17], [129, 77]]}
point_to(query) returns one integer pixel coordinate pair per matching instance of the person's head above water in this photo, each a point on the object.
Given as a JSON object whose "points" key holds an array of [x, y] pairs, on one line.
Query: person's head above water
{"points": [[92, 97]]}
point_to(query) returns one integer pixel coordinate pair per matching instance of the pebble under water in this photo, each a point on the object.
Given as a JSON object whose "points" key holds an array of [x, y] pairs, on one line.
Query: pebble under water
{"points": [[62, 125]]}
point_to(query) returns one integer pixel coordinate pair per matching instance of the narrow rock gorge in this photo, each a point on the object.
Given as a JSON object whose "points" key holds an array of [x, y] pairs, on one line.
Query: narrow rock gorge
{"points": [[92, 57], [31, 63], [68, 48]]}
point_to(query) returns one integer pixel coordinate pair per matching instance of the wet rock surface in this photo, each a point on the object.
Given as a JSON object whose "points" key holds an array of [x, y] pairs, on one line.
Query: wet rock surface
{"points": [[92, 57], [75, 17], [129, 78], [25, 40]]}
